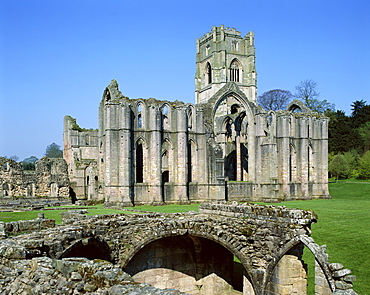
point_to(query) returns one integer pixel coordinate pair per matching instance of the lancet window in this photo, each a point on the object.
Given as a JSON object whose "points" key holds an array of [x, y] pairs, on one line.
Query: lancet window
{"points": [[235, 71]]}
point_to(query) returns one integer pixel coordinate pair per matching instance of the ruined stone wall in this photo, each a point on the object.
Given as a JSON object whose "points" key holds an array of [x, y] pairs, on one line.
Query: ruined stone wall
{"points": [[16, 227], [50, 179], [81, 154], [259, 236]]}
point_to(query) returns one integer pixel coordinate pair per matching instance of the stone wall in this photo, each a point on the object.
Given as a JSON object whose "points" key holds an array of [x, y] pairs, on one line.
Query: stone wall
{"points": [[43, 275], [188, 247], [50, 179], [16, 227]]}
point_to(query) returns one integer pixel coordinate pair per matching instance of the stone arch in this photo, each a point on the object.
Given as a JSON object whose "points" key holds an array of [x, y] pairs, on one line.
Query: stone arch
{"points": [[166, 116], [140, 115], [297, 106], [190, 115], [90, 248], [319, 252], [106, 95], [231, 98], [158, 232]]}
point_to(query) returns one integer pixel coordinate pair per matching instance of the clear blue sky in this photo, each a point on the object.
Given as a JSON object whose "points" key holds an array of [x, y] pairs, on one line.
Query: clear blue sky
{"points": [[56, 57]]}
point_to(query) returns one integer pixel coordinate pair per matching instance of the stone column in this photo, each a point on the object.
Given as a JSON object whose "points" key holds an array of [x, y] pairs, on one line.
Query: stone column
{"points": [[182, 153], [111, 153], [155, 173], [238, 156], [125, 157]]}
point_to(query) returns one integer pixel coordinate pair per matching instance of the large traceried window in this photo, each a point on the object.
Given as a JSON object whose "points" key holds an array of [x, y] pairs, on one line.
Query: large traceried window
{"points": [[235, 70]]}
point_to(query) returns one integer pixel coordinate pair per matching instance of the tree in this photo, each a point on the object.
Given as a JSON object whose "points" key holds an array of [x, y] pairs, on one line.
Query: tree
{"points": [[357, 107], [308, 94], [276, 99], [360, 113], [29, 163], [364, 166], [342, 137], [54, 151], [338, 166], [364, 132]]}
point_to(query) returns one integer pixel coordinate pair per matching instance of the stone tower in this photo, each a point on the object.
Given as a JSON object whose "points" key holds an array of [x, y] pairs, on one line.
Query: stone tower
{"points": [[224, 56]]}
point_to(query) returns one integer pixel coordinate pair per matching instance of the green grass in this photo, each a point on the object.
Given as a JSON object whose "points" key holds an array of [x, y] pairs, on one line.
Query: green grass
{"points": [[54, 214], [343, 225]]}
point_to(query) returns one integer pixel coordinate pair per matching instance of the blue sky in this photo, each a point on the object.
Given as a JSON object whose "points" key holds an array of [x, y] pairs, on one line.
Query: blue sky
{"points": [[56, 57]]}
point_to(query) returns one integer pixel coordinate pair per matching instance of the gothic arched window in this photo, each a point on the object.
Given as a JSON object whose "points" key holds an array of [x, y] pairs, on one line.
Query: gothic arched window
{"points": [[139, 163], [235, 71], [139, 116]]}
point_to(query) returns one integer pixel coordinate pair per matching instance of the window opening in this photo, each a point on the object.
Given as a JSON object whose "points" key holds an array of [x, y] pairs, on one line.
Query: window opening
{"points": [[207, 49], [234, 71], [139, 116], [165, 176], [209, 73], [234, 108], [139, 163], [190, 166]]}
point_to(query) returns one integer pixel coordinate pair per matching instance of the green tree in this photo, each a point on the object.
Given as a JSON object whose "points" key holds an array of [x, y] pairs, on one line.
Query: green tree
{"points": [[308, 94], [338, 167], [364, 132], [275, 100], [29, 163], [54, 151], [342, 137], [364, 166], [360, 113], [352, 157]]}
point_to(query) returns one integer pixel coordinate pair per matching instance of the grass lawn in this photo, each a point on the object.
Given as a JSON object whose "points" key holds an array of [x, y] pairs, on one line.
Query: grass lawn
{"points": [[343, 224], [54, 214]]}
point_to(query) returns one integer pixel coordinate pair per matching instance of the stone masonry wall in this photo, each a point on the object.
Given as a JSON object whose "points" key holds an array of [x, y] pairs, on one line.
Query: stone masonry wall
{"points": [[259, 236]]}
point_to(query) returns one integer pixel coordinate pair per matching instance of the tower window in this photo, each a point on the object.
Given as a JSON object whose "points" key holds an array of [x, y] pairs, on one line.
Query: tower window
{"points": [[209, 73], [235, 45], [207, 49], [234, 71]]}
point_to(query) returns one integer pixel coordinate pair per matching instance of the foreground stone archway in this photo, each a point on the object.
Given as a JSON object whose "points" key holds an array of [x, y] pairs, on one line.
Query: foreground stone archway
{"points": [[259, 236]]}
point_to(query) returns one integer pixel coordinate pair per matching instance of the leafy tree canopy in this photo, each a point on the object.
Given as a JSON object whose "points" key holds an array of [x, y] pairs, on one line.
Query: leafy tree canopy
{"points": [[339, 166], [29, 163], [54, 151]]}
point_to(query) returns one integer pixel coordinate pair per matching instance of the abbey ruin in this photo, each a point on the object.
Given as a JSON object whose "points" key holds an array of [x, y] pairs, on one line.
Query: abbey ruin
{"points": [[223, 150], [223, 147]]}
